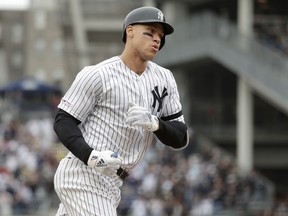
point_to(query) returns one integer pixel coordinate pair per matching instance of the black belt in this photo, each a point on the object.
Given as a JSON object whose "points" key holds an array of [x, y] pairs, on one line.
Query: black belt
{"points": [[122, 173]]}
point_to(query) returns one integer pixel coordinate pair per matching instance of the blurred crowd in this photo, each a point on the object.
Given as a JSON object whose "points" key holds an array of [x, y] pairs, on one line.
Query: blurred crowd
{"points": [[273, 31], [27, 165], [197, 181]]}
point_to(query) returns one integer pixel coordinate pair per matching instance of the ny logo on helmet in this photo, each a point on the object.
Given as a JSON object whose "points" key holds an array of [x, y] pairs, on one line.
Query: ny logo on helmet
{"points": [[160, 16]]}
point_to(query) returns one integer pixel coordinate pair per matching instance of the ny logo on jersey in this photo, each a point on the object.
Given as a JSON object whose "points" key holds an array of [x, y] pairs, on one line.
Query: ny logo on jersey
{"points": [[158, 98]]}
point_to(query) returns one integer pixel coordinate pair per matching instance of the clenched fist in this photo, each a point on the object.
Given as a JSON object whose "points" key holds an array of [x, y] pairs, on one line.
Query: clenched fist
{"points": [[140, 116], [106, 162]]}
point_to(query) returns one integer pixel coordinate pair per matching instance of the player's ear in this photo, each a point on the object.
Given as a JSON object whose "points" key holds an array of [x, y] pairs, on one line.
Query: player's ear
{"points": [[129, 31]]}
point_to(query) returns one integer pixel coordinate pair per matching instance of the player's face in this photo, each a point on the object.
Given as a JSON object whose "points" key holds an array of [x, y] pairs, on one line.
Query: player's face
{"points": [[147, 39]]}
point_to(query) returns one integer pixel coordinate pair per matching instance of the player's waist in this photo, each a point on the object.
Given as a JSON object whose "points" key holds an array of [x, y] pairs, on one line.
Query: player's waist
{"points": [[122, 173]]}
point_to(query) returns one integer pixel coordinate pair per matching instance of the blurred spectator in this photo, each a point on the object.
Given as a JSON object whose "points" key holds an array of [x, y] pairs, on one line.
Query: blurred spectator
{"points": [[202, 206], [139, 207]]}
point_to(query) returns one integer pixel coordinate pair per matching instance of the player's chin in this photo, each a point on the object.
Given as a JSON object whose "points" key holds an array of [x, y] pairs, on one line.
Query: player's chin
{"points": [[151, 55]]}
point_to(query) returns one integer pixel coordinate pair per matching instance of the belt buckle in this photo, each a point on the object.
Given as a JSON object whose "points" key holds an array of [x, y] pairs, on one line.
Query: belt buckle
{"points": [[122, 173]]}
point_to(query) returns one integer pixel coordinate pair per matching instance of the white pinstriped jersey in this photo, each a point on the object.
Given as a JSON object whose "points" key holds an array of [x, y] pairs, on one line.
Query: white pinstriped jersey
{"points": [[99, 98]]}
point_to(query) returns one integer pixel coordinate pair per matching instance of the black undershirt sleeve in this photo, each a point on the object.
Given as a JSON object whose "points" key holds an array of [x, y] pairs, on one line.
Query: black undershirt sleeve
{"points": [[66, 128], [172, 133]]}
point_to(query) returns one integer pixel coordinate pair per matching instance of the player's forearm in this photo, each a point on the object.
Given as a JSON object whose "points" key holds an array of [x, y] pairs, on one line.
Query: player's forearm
{"points": [[66, 128], [172, 133]]}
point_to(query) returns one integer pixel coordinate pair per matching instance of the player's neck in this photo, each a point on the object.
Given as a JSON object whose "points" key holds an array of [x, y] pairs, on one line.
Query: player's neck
{"points": [[135, 64]]}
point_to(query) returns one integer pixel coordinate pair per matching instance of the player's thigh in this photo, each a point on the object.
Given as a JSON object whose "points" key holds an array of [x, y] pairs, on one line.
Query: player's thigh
{"points": [[87, 204], [83, 199]]}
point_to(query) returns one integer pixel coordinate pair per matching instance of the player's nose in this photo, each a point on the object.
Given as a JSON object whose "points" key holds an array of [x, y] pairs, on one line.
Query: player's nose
{"points": [[157, 39]]}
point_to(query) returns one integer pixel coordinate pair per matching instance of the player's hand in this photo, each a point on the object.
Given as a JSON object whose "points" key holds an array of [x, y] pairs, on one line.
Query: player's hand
{"points": [[140, 116], [106, 162]]}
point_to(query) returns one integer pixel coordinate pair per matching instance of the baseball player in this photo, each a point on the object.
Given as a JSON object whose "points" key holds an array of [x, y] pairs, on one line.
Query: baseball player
{"points": [[112, 113]]}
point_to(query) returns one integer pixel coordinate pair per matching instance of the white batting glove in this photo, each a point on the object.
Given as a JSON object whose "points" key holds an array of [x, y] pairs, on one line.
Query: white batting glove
{"points": [[140, 116], [106, 162]]}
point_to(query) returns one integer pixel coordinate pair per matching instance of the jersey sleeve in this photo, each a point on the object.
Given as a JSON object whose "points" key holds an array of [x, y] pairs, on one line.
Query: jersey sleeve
{"points": [[173, 108], [83, 94]]}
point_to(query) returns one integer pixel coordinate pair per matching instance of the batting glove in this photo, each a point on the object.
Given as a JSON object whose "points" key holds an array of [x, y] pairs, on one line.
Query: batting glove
{"points": [[140, 116], [106, 162]]}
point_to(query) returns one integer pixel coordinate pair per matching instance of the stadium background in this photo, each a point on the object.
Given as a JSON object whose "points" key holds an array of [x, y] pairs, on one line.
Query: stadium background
{"points": [[216, 47]]}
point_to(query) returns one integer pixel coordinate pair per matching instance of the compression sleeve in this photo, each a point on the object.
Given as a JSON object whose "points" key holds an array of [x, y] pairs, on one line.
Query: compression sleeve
{"points": [[66, 128], [173, 134]]}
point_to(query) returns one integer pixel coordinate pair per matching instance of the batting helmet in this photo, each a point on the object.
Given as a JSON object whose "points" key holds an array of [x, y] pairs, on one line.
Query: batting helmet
{"points": [[147, 15]]}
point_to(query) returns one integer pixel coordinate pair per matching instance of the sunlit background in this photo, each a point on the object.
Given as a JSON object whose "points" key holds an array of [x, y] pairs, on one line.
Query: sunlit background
{"points": [[14, 5], [229, 58]]}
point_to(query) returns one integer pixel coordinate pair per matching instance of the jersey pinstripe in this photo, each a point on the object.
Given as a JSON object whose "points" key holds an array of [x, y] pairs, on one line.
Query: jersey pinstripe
{"points": [[99, 98]]}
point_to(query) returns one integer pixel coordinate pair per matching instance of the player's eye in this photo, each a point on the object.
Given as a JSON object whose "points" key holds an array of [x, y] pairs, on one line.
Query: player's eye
{"points": [[152, 31], [161, 35], [148, 34]]}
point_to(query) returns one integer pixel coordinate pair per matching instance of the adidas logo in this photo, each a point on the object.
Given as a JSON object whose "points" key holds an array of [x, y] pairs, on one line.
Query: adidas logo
{"points": [[101, 163]]}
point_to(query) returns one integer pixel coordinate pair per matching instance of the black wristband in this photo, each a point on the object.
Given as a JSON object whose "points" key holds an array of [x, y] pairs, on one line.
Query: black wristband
{"points": [[172, 133]]}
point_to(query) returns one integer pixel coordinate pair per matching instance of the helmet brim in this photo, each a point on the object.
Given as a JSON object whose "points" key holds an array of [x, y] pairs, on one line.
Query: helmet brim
{"points": [[168, 29]]}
